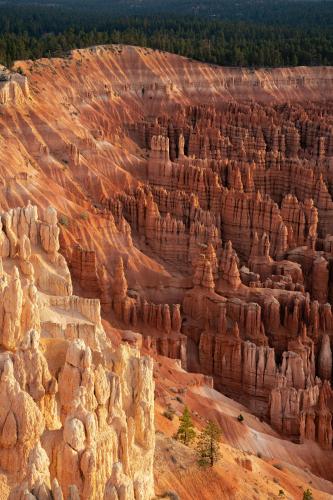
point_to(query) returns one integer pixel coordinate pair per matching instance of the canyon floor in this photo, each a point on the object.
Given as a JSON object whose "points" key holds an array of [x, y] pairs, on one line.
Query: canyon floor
{"points": [[192, 223]]}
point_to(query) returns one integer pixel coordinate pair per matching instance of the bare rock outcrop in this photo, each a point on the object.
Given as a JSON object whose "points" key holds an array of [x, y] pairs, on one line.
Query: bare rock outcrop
{"points": [[199, 211], [67, 420]]}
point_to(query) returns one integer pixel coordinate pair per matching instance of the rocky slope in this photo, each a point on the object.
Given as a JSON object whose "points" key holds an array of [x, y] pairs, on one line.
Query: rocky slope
{"points": [[252, 452], [195, 202], [76, 415]]}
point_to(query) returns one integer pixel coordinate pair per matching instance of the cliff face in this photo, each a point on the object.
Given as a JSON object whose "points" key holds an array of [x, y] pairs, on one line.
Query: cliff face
{"points": [[76, 416], [195, 213], [78, 135], [14, 87]]}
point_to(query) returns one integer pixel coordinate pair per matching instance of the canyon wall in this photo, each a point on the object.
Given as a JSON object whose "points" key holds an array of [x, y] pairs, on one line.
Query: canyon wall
{"points": [[77, 415], [195, 213], [243, 205]]}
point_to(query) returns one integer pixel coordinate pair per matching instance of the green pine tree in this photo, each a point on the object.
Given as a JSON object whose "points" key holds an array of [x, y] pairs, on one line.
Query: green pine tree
{"points": [[208, 449], [186, 432]]}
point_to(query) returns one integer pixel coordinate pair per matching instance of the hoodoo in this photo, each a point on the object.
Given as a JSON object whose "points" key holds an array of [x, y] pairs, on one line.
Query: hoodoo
{"points": [[160, 250]]}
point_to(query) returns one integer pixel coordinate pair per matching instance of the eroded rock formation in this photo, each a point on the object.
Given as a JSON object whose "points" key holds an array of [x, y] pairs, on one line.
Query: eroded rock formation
{"points": [[245, 204], [76, 416], [194, 209]]}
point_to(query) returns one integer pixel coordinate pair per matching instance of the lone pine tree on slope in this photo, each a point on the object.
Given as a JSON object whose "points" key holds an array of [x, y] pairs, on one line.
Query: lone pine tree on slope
{"points": [[186, 432], [208, 448]]}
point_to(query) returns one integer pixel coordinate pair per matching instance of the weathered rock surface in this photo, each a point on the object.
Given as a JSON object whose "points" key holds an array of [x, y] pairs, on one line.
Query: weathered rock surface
{"points": [[68, 418], [194, 207], [237, 199]]}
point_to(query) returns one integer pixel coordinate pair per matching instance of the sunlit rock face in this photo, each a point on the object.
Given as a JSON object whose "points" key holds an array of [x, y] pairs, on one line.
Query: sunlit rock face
{"points": [[166, 207], [75, 412]]}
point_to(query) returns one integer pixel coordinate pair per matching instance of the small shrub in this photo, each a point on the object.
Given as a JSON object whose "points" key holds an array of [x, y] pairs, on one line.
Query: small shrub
{"points": [[259, 454], [19, 70], [63, 220], [171, 495], [307, 495], [240, 418], [281, 493], [84, 215], [169, 413]]}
